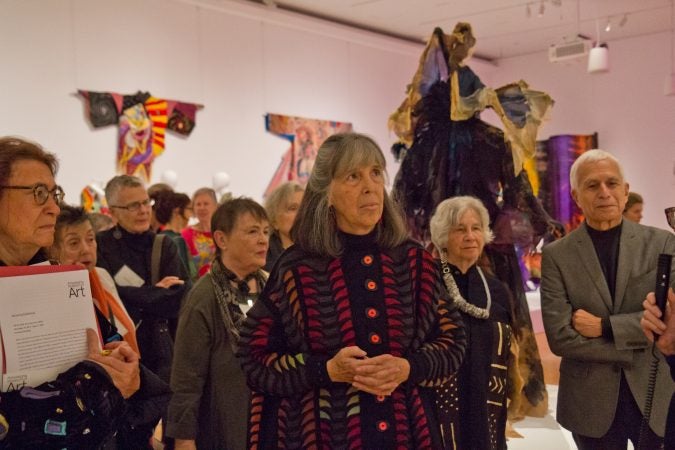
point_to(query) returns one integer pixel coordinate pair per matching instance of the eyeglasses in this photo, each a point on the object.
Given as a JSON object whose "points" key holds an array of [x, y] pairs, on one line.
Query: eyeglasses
{"points": [[41, 192], [135, 206]]}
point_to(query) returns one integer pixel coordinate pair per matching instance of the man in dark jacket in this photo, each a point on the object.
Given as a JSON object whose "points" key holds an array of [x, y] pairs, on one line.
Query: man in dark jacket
{"points": [[151, 295]]}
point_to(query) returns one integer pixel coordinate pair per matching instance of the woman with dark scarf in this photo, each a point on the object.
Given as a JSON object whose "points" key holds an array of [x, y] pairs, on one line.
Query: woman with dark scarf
{"points": [[208, 409], [353, 328], [472, 407]]}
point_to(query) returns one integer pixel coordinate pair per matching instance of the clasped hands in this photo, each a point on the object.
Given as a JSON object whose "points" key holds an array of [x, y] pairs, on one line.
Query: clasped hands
{"points": [[119, 360], [378, 375]]}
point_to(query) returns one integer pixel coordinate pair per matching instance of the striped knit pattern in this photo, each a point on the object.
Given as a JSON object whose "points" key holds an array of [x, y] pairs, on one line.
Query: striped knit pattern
{"points": [[311, 308]]}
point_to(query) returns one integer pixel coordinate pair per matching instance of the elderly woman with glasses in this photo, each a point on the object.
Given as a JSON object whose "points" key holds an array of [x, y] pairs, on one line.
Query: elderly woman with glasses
{"points": [[353, 329], [83, 406], [472, 407]]}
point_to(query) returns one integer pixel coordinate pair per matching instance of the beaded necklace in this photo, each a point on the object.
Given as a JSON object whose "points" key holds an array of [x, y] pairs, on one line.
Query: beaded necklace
{"points": [[462, 304]]}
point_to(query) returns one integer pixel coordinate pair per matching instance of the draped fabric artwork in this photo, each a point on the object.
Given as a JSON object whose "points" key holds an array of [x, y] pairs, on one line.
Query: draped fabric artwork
{"points": [[554, 158], [92, 199], [305, 136], [446, 150], [550, 177], [143, 121]]}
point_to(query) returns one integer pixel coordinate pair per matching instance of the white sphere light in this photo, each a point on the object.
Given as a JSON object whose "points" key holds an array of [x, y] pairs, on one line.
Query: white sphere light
{"points": [[221, 180], [170, 177]]}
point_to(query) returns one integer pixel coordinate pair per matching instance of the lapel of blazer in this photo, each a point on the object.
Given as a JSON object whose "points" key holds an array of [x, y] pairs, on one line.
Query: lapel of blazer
{"points": [[588, 256], [628, 249]]}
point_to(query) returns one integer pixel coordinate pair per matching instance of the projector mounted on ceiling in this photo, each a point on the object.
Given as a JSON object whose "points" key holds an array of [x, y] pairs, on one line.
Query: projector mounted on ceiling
{"points": [[569, 50]]}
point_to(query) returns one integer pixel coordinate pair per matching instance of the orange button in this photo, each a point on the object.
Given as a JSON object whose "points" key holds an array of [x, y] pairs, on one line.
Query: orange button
{"points": [[375, 338], [382, 425], [371, 285], [372, 313], [380, 398], [367, 260]]}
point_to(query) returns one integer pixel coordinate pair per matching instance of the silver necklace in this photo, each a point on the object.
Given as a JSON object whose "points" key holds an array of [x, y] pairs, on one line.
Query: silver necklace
{"points": [[462, 304]]}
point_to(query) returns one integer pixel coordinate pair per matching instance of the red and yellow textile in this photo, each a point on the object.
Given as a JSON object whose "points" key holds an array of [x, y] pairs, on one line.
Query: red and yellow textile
{"points": [[305, 136], [143, 120]]}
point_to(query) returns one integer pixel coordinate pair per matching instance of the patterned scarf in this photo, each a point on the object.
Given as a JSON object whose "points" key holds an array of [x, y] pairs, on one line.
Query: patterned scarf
{"points": [[226, 295]]}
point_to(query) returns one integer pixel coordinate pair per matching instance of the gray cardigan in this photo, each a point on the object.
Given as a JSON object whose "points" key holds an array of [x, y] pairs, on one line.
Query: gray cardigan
{"points": [[210, 397]]}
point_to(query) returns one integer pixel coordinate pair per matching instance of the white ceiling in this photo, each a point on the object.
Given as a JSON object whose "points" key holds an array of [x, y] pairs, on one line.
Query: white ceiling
{"points": [[503, 28]]}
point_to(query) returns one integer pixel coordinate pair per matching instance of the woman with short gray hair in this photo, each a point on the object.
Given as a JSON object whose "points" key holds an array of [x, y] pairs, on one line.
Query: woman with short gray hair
{"points": [[353, 330], [475, 410]]}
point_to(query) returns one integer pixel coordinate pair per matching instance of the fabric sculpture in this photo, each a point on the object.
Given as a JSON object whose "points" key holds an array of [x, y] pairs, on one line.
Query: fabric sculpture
{"points": [[92, 199], [446, 150], [555, 157], [143, 120], [305, 136]]}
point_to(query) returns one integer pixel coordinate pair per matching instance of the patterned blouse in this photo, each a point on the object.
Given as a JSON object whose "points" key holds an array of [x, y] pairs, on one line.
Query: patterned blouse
{"points": [[384, 301]]}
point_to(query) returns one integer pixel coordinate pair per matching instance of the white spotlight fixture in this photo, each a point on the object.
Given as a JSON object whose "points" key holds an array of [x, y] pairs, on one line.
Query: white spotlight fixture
{"points": [[542, 7], [608, 27], [528, 11], [598, 59]]}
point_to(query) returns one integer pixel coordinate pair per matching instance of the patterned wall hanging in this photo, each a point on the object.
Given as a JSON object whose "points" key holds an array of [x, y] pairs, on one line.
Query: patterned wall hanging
{"points": [[142, 120], [305, 136]]}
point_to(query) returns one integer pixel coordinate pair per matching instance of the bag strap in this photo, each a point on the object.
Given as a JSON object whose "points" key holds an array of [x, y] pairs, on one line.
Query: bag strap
{"points": [[156, 258]]}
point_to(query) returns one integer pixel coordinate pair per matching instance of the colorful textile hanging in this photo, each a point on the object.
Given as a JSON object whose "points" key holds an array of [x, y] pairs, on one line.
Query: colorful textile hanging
{"points": [[555, 157], [143, 120], [92, 199], [305, 136]]}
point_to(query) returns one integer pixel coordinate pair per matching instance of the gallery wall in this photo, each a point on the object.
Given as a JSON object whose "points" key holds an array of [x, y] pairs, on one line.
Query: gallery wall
{"points": [[239, 60], [242, 60], [626, 107]]}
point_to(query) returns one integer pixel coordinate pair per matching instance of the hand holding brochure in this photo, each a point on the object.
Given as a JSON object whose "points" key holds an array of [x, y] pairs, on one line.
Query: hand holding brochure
{"points": [[44, 314]]}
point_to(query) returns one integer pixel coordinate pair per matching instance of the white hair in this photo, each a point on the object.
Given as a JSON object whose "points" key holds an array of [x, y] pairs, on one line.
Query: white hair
{"points": [[588, 157], [448, 214]]}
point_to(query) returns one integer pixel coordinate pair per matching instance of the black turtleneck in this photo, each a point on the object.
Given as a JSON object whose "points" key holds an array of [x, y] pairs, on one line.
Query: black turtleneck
{"points": [[606, 245]]}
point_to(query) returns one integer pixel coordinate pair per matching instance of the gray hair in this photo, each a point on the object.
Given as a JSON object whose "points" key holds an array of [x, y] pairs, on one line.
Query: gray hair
{"points": [[588, 157], [315, 228], [116, 184], [278, 199], [448, 214], [205, 191]]}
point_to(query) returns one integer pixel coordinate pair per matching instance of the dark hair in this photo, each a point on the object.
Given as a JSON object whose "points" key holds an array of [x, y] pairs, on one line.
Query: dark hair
{"points": [[13, 149], [166, 202], [69, 215], [315, 228], [156, 188], [226, 216], [633, 199]]}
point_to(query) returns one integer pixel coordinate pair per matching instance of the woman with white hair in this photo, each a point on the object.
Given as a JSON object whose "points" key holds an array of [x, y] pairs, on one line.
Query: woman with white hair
{"points": [[472, 407]]}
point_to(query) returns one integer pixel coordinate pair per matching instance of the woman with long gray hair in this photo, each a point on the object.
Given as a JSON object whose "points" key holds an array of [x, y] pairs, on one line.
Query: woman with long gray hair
{"points": [[353, 328]]}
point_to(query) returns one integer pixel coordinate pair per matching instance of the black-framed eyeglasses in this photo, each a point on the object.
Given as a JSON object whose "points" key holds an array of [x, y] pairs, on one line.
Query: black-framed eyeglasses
{"points": [[41, 192], [135, 206]]}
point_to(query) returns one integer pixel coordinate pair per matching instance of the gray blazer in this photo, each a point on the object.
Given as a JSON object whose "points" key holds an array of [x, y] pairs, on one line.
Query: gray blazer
{"points": [[590, 369]]}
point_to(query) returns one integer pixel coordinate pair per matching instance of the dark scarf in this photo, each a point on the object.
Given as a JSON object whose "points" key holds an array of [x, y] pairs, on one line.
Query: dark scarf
{"points": [[227, 295]]}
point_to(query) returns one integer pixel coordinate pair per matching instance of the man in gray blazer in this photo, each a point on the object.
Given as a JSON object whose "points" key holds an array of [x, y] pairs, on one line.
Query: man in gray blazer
{"points": [[593, 283]]}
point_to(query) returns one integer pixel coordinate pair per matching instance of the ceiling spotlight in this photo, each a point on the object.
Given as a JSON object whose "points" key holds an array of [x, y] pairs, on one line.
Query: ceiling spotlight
{"points": [[541, 9], [528, 11], [608, 27], [623, 21], [556, 2]]}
